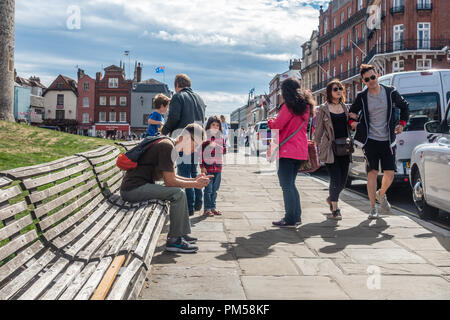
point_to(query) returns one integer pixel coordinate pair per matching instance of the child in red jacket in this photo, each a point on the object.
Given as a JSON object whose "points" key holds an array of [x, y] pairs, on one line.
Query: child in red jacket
{"points": [[213, 150]]}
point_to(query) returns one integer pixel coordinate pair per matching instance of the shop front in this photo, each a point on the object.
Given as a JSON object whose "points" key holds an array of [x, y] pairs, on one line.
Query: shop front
{"points": [[113, 131]]}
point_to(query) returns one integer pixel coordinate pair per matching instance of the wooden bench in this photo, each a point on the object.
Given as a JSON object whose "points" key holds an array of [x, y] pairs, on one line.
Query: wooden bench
{"points": [[87, 242]]}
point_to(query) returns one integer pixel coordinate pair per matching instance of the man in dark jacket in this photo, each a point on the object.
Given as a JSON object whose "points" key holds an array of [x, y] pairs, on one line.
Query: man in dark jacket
{"points": [[186, 107], [376, 132]]}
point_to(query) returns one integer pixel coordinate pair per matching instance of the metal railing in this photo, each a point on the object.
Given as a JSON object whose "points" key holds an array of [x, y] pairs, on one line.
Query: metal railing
{"points": [[424, 6], [398, 9]]}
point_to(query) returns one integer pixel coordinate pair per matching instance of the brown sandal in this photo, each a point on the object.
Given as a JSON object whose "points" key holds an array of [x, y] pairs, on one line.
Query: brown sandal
{"points": [[216, 212], [209, 213]]}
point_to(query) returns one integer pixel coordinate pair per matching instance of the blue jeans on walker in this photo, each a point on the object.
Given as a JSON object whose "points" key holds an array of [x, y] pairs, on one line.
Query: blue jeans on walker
{"points": [[210, 192], [287, 173], [188, 169]]}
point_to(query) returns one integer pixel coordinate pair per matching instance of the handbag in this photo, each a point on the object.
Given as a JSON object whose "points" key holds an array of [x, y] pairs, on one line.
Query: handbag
{"points": [[273, 147], [313, 163], [343, 146]]}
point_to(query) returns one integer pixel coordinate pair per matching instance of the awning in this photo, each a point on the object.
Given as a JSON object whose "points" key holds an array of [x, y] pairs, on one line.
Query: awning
{"points": [[112, 126]]}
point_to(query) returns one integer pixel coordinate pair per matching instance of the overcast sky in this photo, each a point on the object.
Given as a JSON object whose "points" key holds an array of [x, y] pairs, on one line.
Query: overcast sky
{"points": [[227, 47]]}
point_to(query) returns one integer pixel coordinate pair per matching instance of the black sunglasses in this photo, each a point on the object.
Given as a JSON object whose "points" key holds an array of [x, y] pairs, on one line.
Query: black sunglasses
{"points": [[373, 77], [336, 89]]}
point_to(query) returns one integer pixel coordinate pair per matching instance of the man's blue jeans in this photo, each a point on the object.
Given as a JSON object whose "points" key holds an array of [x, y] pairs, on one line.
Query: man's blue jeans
{"points": [[211, 191], [188, 169], [287, 173]]}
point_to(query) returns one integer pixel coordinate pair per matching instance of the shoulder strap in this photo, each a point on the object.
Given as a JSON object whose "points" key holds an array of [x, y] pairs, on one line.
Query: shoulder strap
{"points": [[293, 134]]}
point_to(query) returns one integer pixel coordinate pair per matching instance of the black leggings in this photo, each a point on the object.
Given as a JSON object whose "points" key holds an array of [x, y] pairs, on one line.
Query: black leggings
{"points": [[338, 172]]}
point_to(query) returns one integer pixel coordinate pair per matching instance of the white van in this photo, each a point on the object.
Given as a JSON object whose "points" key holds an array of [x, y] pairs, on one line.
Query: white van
{"points": [[427, 93]]}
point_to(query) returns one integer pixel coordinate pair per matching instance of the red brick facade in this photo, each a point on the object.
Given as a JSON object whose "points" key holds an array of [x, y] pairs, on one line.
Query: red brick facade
{"points": [[411, 35], [86, 104]]}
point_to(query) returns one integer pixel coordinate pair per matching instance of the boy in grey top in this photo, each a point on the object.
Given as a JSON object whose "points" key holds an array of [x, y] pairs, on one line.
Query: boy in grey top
{"points": [[378, 113]]}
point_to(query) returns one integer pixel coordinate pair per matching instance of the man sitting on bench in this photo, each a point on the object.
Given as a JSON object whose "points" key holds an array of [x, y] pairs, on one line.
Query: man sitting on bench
{"points": [[157, 164]]}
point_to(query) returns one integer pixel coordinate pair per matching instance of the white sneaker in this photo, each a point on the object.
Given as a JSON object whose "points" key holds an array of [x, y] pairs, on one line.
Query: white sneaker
{"points": [[373, 213], [384, 204]]}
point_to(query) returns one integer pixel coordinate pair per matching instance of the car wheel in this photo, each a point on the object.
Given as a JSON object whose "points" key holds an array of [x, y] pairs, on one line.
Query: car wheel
{"points": [[425, 211]]}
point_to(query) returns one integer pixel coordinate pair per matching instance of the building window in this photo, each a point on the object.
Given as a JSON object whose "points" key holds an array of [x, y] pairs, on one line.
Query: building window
{"points": [[145, 122], [398, 3], [357, 62], [360, 4], [357, 34], [349, 40], [342, 69], [342, 44], [86, 86], [113, 83], [348, 68], [349, 12], [325, 28], [398, 37], [60, 100], [60, 114], [334, 72], [334, 22], [423, 35], [112, 101], [123, 101], [103, 101], [112, 116], [59, 85], [102, 116], [85, 117], [342, 17], [423, 64], [85, 102], [398, 66], [123, 117]]}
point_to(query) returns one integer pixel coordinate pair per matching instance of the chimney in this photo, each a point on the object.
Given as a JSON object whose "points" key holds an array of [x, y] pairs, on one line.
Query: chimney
{"points": [[80, 74], [295, 64], [139, 73], [98, 76], [15, 74]]}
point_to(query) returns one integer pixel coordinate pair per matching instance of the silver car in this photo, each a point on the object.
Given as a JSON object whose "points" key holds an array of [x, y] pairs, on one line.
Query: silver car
{"points": [[430, 169]]}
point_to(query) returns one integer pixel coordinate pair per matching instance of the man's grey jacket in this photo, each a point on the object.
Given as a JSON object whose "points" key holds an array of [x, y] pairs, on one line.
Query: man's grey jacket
{"points": [[186, 107]]}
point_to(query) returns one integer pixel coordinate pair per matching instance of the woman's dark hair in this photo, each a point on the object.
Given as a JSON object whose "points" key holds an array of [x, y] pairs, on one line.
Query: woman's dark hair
{"points": [[296, 99], [211, 120], [330, 86]]}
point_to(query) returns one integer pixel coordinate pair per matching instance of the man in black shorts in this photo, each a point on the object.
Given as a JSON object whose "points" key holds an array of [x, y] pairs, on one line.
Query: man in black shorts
{"points": [[376, 131]]}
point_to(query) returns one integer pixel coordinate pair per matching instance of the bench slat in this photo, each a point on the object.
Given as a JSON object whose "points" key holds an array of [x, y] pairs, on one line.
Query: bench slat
{"points": [[108, 279], [79, 281], [7, 194], [49, 206], [134, 235], [99, 239], [4, 181], [34, 183], [97, 152], [14, 245], [11, 266], [92, 283], [26, 172], [65, 211], [152, 246], [12, 210], [113, 236], [72, 271], [105, 167], [147, 234], [138, 285], [116, 245], [108, 174], [15, 227], [44, 281], [78, 245], [119, 290], [40, 195], [115, 187], [108, 157], [24, 277], [79, 229]]}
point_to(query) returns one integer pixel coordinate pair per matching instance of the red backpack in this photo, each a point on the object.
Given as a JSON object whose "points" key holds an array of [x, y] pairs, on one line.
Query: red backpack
{"points": [[129, 160]]}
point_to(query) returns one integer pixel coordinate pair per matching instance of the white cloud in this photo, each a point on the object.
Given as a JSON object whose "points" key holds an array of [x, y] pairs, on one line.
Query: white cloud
{"points": [[218, 102]]}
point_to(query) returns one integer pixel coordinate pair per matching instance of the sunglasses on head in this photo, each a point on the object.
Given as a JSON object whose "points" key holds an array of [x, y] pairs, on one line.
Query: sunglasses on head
{"points": [[336, 89], [373, 77]]}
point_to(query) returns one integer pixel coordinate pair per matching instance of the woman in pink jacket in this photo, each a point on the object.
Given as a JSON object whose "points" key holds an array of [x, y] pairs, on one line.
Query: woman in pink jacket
{"points": [[294, 112]]}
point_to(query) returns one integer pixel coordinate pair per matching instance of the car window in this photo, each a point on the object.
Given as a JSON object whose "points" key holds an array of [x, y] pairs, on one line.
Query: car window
{"points": [[423, 107], [448, 96], [446, 126], [385, 81]]}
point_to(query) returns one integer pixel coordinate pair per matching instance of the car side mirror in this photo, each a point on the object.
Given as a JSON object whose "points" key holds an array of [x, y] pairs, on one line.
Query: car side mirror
{"points": [[433, 127]]}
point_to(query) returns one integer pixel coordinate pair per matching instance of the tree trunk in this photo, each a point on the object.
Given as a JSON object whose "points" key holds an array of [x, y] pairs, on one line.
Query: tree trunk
{"points": [[7, 60]]}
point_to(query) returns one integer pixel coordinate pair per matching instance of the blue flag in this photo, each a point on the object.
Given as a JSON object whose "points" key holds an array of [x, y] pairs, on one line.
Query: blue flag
{"points": [[160, 69]]}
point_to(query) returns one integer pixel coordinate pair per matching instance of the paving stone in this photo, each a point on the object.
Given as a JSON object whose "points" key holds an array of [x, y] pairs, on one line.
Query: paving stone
{"points": [[317, 267], [211, 236], [207, 226], [427, 242], [438, 258], [291, 288], [268, 266], [174, 287], [210, 259], [395, 287], [385, 255], [445, 270], [390, 269]]}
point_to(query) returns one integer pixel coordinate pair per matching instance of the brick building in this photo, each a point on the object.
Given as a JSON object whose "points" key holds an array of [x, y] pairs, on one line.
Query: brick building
{"points": [[401, 35], [85, 104], [112, 103], [310, 61]]}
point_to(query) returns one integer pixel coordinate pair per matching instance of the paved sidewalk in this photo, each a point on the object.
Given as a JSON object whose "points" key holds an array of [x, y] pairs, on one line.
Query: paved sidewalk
{"points": [[242, 256]]}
